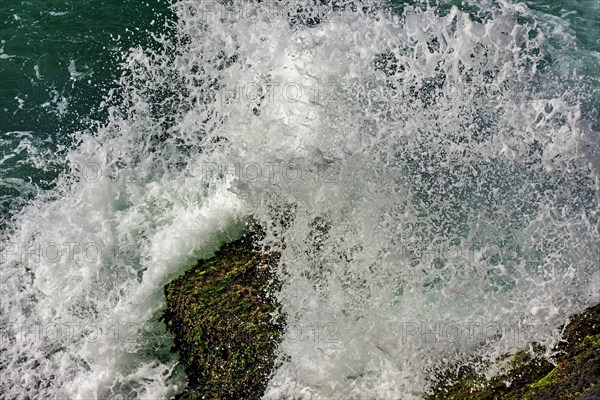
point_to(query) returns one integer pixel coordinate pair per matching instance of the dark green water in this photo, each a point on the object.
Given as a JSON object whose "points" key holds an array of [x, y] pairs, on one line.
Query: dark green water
{"points": [[59, 59]]}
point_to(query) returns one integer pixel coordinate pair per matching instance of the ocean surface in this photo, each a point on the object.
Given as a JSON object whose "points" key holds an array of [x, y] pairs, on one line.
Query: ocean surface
{"points": [[432, 168]]}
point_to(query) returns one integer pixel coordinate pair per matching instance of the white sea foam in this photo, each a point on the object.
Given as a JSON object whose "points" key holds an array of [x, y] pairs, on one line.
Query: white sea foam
{"points": [[435, 189]]}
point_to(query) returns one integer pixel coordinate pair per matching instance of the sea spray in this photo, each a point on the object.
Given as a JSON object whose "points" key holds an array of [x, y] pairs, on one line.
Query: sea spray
{"points": [[429, 178]]}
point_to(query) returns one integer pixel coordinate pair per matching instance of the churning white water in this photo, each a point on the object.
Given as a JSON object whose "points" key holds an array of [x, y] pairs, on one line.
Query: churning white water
{"points": [[432, 175]]}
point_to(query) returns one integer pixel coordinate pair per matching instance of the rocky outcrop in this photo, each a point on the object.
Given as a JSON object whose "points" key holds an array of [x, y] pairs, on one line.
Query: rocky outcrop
{"points": [[575, 374], [227, 329], [222, 317]]}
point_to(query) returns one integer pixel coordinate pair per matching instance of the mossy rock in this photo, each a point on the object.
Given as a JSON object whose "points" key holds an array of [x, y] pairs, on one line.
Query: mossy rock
{"points": [[221, 314], [576, 374]]}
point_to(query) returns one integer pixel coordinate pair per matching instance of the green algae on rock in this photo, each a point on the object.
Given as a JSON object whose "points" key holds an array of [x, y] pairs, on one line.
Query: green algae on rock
{"points": [[576, 374], [221, 314]]}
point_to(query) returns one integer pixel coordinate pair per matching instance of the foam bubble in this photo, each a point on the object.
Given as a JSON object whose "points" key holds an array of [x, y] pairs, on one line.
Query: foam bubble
{"points": [[433, 182]]}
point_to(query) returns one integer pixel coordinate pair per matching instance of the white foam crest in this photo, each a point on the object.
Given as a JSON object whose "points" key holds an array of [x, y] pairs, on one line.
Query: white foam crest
{"points": [[454, 147], [433, 196], [85, 267]]}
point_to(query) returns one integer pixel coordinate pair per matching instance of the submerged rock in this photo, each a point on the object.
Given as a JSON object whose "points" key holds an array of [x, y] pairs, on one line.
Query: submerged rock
{"points": [[221, 314], [574, 375]]}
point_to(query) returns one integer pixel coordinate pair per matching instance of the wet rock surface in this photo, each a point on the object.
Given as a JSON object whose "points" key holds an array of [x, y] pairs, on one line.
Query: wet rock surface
{"points": [[222, 316], [575, 374]]}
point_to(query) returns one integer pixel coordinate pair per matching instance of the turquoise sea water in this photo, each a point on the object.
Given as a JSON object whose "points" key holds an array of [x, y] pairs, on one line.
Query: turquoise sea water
{"points": [[59, 59], [461, 127]]}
